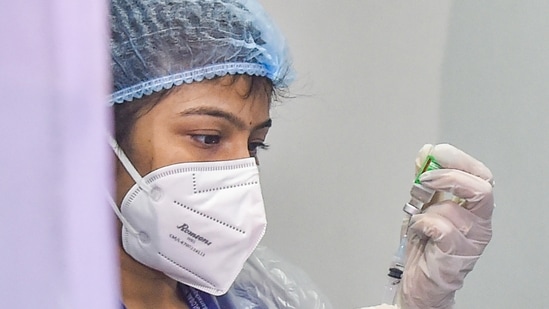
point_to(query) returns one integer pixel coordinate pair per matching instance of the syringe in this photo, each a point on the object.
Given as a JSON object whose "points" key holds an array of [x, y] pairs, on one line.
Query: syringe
{"points": [[396, 269], [420, 196]]}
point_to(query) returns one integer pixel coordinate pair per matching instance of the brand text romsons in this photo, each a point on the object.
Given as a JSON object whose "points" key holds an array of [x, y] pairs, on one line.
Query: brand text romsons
{"points": [[185, 229]]}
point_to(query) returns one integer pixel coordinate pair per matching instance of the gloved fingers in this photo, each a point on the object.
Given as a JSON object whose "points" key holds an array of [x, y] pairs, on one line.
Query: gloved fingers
{"points": [[431, 277], [451, 157], [477, 192], [467, 223], [431, 227], [446, 239]]}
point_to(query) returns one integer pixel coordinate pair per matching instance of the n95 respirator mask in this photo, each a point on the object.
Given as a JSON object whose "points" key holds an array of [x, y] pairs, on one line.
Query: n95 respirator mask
{"points": [[196, 222]]}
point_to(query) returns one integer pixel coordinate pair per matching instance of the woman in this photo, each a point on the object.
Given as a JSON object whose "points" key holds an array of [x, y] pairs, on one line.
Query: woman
{"points": [[193, 84]]}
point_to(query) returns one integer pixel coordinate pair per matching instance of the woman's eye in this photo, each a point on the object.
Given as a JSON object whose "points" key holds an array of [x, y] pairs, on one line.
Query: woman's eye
{"points": [[207, 139]]}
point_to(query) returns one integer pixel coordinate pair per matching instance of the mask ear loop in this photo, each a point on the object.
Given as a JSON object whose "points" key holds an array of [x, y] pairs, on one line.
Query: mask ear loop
{"points": [[135, 176], [125, 223], [128, 166]]}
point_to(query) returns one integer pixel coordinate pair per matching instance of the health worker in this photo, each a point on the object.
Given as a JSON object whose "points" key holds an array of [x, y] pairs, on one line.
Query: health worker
{"points": [[193, 83]]}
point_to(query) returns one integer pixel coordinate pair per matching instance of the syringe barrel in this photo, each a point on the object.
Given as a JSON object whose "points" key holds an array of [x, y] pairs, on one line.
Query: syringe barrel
{"points": [[391, 289], [419, 196]]}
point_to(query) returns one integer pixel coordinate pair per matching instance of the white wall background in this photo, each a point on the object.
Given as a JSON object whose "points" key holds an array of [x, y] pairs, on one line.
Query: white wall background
{"points": [[495, 102], [377, 80]]}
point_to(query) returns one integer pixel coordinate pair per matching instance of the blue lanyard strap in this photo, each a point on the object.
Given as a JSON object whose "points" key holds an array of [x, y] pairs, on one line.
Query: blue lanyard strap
{"points": [[196, 299]]}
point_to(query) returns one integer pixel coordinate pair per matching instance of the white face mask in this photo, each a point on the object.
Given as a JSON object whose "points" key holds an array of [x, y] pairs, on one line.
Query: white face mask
{"points": [[195, 222]]}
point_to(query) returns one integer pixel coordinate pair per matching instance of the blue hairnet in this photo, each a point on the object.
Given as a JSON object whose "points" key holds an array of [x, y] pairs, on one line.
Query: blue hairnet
{"points": [[156, 44]]}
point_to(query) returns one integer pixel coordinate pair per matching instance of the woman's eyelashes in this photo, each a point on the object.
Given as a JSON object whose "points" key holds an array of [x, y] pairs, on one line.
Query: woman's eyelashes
{"points": [[213, 140], [254, 146]]}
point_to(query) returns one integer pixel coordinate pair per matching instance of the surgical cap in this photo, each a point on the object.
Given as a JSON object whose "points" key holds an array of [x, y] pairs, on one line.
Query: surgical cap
{"points": [[158, 44]]}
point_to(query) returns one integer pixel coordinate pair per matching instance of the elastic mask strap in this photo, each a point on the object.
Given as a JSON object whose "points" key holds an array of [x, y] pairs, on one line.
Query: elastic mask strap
{"points": [[128, 165], [120, 216], [135, 176]]}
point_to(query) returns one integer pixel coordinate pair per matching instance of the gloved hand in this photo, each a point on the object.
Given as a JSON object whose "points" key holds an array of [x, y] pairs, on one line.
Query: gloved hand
{"points": [[447, 238]]}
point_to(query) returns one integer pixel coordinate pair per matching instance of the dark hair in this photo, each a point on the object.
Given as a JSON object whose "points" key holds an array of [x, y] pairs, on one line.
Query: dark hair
{"points": [[126, 114]]}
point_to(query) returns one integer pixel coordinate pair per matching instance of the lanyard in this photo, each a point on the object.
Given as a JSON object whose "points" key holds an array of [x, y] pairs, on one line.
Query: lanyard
{"points": [[196, 299]]}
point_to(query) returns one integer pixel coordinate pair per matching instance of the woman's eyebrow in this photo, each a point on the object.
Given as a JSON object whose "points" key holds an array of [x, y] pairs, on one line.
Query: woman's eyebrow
{"points": [[232, 118]]}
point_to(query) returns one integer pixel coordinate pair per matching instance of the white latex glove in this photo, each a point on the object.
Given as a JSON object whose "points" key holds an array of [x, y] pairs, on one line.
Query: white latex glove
{"points": [[447, 239]]}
